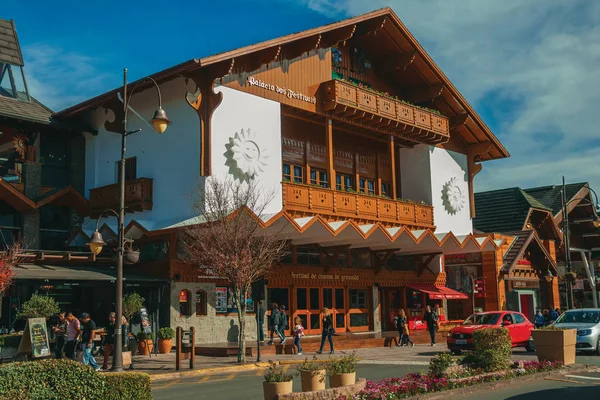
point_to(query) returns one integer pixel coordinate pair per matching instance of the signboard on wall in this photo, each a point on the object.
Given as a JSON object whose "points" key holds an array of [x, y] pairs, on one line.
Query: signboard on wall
{"points": [[226, 302], [463, 258], [221, 304]]}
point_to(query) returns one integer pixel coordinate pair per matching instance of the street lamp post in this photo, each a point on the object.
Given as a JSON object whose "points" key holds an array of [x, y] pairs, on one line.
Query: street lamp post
{"points": [[566, 231], [160, 123]]}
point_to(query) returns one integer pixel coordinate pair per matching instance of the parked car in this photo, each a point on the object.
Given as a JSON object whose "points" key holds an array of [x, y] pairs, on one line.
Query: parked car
{"points": [[461, 337], [587, 323]]}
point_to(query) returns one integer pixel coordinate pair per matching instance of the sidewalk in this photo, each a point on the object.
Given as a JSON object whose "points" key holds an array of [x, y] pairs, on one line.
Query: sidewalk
{"points": [[162, 366]]}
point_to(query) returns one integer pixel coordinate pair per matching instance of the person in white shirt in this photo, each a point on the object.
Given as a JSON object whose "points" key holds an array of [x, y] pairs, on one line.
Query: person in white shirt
{"points": [[298, 333]]}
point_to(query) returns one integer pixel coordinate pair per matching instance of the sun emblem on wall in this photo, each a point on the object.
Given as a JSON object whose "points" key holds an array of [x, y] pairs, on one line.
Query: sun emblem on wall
{"points": [[454, 196], [244, 156]]}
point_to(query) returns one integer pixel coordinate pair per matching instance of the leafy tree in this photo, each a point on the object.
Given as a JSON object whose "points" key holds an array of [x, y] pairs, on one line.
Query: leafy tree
{"points": [[8, 259], [230, 241], [39, 307], [132, 303]]}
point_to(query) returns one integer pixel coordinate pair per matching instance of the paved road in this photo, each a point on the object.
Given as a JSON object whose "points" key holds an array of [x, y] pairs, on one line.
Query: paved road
{"points": [[248, 385]]}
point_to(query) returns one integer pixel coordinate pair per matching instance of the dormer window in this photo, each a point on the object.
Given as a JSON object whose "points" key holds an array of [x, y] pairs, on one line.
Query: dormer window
{"points": [[12, 82]]}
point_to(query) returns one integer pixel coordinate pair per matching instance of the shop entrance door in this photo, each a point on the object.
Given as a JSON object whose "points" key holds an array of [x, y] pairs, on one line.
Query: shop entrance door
{"points": [[308, 308], [527, 305], [335, 300]]}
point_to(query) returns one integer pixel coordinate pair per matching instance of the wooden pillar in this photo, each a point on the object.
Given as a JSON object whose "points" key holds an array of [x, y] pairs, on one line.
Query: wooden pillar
{"points": [[306, 158], [329, 140], [378, 174], [193, 343], [178, 348], [393, 164]]}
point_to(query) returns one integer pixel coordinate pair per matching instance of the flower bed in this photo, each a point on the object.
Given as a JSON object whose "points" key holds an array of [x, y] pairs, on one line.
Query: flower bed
{"points": [[415, 384]]}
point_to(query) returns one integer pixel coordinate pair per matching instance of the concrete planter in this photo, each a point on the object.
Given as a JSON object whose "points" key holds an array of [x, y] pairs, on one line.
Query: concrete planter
{"points": [[340, 380], [313, 380], [164, 346], [273, 389], [555, 345]]}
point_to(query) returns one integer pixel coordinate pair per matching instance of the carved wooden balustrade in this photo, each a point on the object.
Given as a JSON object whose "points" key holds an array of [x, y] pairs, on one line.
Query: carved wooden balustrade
{"points": [[338, 205], [354, 105], [138, 196]]}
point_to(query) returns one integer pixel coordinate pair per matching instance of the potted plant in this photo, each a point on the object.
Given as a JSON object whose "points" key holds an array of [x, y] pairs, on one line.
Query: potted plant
{"points": [[342, 371], [39, 307], [276, 382], [145, 343], [312, 375], [165, 339], [555, 344]]}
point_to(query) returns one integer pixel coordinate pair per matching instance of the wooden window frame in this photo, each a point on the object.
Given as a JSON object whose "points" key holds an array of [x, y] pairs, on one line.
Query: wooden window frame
{"points": [[296, 174], [321, 178], [364, 186], [386, 189], [341, 186]]}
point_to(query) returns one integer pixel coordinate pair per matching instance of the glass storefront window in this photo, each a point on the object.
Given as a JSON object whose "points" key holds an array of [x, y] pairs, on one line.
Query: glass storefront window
{"points": [[358, 298], [339, 298], [340, 320], [314, 299], [360, 319], [308, 255], [328, 298], [301, 302], [315, 321]]}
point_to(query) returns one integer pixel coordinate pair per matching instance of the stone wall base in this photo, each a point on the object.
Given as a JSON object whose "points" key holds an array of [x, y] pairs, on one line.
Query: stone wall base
{"points": [[327, 394]]}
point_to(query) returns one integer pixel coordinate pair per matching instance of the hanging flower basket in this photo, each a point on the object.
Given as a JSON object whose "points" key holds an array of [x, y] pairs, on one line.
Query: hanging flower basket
{"points": [[570, 277]]}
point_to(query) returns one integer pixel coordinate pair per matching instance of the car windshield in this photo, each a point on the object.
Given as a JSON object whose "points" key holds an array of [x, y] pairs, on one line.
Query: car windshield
{"points": [[482, 319], [579, 317]]}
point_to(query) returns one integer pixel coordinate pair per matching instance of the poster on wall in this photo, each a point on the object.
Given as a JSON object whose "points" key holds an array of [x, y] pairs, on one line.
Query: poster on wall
{"points": [[232, 303], [221, 304]]}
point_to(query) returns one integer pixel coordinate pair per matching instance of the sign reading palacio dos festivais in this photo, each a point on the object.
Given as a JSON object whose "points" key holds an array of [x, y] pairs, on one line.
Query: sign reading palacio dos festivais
{"points": [[289, 93]]}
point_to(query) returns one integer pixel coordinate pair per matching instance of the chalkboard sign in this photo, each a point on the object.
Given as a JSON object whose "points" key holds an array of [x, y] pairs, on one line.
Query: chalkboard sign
{"points": [[35, 339]]}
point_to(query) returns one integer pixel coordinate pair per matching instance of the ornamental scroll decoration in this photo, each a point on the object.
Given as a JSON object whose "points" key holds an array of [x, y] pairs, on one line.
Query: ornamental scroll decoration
{"points": [[244, 157], [454, 196]]}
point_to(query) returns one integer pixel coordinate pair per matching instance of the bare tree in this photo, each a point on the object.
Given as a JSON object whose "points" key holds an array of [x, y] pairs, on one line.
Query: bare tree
{"points": [[230, 241], [9, 257]]}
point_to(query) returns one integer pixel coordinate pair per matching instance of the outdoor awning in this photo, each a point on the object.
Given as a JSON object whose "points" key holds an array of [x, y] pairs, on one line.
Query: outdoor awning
{"points": [[439, 292], [76, 273]]}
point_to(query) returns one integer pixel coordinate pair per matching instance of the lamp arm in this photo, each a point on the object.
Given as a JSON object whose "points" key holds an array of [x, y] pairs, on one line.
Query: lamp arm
{"points": [[102, 214], [128, 99]]}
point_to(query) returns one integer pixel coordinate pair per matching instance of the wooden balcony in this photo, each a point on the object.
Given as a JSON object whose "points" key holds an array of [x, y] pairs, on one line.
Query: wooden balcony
{"points": [[381, 113], [338, 205], [138, 197]]}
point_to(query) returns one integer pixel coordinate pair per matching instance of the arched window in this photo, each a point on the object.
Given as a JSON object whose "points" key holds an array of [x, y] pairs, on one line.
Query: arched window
{"points": [[200, 302], [185, 298]]}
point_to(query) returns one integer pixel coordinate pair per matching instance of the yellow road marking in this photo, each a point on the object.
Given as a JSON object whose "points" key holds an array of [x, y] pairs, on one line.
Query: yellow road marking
{"points": [[260, 371], [230, 377], [563, 380], [285, 368], [204, 379], [168, 384]]}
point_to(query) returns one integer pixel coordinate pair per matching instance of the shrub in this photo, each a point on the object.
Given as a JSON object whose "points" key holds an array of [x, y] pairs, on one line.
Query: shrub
{"points": [[440, 363], [276, 374], [312, 365], [343, 365], [39, 307], [69, 380], [50, 379], [141, 336], [128, 386], [10, 340], [166, 333], [493, 348]]}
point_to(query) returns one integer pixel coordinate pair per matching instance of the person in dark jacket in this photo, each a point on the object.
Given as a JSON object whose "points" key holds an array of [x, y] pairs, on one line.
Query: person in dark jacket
{"points": [[431, 319], [328, 330], [60, 330], [275, 321], [260, 320]]}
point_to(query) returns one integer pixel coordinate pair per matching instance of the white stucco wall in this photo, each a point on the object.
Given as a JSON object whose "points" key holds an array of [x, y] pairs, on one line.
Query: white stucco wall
{"points": [[172, 159], [426, 172], [246, 145]]}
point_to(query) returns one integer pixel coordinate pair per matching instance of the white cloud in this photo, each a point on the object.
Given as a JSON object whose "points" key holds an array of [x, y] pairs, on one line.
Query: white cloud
{"points": [[59, 78], [539, 59]]}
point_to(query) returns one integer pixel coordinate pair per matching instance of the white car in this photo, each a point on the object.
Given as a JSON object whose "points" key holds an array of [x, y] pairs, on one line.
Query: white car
{"points": [[587, 323]]}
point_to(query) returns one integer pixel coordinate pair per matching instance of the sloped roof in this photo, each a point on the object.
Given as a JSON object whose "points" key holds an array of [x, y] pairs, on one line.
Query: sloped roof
{"points": [[33, 111], [10, 51], [550, 196], [504, 210], [384, 20], [523, 239]]}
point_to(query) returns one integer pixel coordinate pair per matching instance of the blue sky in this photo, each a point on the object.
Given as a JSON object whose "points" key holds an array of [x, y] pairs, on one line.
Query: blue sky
{"points": [[530, 68]]}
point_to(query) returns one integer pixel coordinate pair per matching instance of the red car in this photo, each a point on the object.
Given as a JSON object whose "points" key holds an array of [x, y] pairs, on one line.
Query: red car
{"points": [[461, 337]]}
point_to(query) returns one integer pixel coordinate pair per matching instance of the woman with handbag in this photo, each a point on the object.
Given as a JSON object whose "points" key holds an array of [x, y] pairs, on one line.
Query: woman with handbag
{"points": [[328, 330]]}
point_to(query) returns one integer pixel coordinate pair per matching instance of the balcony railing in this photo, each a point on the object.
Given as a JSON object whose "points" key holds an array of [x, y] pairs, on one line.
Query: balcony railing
{"points": [[378, 112], [348, 205], [138, 196]]}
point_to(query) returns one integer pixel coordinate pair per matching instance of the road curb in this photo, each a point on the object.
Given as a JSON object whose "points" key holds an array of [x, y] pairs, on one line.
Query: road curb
{"points": [[207, 371], [484, 387]]}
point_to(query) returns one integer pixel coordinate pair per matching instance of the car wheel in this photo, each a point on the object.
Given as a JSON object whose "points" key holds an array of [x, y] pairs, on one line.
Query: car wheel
{"points": [[530, 346], [598, 347], [456, 352]]}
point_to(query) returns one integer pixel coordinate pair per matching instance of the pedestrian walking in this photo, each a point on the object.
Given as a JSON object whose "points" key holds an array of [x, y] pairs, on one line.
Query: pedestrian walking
{"points": [[298, 333], [328, 330], [539, 319], [260, 320], [404, 331], [109, 339], [73, 332], [274, 322], [432, 321], [60, 331], [87, 340], [283, 324]]}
